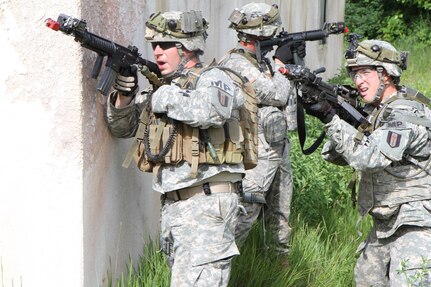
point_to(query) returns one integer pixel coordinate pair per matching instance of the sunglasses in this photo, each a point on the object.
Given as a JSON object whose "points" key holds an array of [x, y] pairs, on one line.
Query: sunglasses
{"points": [[163, 45]]}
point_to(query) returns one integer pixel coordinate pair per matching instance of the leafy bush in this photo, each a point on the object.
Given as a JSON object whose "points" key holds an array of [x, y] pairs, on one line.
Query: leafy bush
{"points": [[389, 20], [364, 17]]}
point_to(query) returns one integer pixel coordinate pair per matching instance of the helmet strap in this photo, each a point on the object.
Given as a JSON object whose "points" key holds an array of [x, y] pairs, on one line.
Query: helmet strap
{"points": [[381, 87], [183, 61]]}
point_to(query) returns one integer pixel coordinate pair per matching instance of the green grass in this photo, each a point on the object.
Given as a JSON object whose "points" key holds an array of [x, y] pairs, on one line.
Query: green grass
{"points": [[324, 238]]}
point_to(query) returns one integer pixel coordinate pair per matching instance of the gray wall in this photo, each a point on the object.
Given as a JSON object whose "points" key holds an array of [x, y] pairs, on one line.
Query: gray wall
{"points": [[67, 207]]}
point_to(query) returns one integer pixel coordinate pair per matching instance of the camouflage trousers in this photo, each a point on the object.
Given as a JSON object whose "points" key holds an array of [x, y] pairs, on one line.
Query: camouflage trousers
{"points": [[273, 178], [404, 259], [198, 237]]}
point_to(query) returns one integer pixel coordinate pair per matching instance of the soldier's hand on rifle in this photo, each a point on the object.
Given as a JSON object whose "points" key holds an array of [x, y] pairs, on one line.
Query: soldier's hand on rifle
{"points": [[284, 54], [126, 82], [299, 48], [321, 110]]}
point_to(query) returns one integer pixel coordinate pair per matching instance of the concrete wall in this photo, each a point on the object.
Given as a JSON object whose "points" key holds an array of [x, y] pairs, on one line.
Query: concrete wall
{"points": [[68, 212]]}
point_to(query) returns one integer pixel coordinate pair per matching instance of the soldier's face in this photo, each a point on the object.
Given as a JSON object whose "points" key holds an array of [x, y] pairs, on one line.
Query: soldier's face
{"points": [[166, 56], [366, 81]]}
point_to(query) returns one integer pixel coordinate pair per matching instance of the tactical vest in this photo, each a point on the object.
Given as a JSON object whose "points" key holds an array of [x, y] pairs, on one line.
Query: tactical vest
{"points": [[161, 140], [402, 182], [290, 109]]}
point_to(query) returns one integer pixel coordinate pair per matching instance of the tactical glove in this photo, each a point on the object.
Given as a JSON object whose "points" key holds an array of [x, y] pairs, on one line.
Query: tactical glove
{"points": [[299, 48], [284, 54], [321, 110], [127, 81]]}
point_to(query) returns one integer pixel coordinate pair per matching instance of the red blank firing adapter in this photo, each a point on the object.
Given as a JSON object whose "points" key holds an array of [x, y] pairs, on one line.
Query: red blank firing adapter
{"points": [[52, 24]]}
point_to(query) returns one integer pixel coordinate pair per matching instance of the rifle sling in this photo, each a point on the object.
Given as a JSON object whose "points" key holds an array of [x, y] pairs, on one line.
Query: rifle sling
{"points": [[302, 133]]}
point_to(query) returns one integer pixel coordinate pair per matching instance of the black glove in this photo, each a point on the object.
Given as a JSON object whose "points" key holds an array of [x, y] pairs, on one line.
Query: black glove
{"points": [[284, 54], [127, 81], [321, 110], [299, 49]]}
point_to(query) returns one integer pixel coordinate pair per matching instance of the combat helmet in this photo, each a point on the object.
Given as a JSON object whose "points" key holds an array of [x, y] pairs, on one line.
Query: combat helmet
{"points": [[381, 55], [187, 28], [257, 19]]}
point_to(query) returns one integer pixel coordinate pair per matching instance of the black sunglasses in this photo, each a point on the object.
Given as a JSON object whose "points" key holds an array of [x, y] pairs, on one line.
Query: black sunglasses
{"points": [[163, 45]]}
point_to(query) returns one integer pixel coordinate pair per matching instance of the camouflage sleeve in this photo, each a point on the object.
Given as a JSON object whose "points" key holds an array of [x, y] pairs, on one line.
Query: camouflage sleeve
{"points": [[210, 104], [272, 91], [394, 140], [122, 122], [269, 91], [361, 156]]}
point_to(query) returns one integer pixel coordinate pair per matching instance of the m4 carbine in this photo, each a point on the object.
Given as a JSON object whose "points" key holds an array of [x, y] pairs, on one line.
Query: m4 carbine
{"points": [[285, 38], [314, 89], [118, 57]]}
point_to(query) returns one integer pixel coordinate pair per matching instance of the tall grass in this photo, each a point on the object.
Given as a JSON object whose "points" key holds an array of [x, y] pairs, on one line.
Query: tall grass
{"points": [[324, 236]]}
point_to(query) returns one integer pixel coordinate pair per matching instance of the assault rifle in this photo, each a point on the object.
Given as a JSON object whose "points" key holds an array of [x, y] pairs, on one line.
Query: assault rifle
{"points": [[314, 89], [118, 57], [285, 38]]}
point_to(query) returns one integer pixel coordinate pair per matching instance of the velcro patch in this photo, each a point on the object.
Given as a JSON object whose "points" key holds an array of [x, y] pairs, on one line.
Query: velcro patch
{"points": [[393, 139], [393, 143], [395, 125], [223, 98]]}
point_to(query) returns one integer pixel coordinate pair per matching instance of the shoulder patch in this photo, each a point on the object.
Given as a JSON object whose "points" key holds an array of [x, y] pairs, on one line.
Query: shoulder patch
{"points": [[223, 98], [393, 143], [393, 139]]}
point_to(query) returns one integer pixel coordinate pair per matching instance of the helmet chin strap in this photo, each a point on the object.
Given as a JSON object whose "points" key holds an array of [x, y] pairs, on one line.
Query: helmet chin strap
{"points": [[381, 87], [183, 61]]}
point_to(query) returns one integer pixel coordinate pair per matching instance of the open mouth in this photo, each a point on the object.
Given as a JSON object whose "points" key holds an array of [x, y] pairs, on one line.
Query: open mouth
{"points": [[363, 91], [160, 63]]}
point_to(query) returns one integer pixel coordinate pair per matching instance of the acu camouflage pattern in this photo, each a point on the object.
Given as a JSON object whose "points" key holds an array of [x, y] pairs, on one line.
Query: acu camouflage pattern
{"points": [[389, 58], [200, 229], [200, 233], [190, 29], [198, 108], [258, 19], [379, 263], [393, 189], [272, 94]]}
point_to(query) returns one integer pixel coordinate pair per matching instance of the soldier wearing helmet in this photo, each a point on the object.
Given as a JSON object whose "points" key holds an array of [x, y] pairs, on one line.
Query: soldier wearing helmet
{"points": [[179, 136], [392, 160], [270, 182], [381, 57]]}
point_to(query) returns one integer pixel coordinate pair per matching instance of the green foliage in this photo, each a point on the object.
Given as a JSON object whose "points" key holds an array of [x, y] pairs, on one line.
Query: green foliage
{"points": [[417, 74], [318, 185], [364, 17], [394, 28], [420, 276], [420, 4], [151, 270], [389, 20], [324, 236], [320, 256]]}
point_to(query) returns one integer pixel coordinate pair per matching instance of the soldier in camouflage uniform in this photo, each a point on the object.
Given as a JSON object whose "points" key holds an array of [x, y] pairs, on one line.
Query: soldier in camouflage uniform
{"points": [[252, 22], [182, 123], [392, 158]]}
